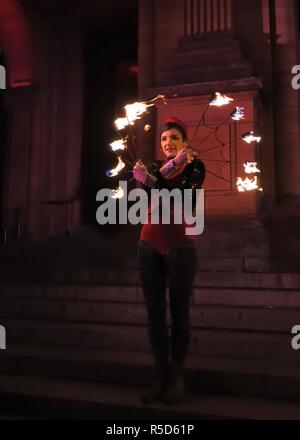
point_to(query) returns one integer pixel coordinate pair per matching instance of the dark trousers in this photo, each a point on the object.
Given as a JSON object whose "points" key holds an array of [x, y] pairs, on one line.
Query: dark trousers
{"points": [[178, 267]]}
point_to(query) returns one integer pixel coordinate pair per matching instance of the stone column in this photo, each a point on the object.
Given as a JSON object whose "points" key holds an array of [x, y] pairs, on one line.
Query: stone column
{"points": [[285, 224], [203, 16], [286, 102]]}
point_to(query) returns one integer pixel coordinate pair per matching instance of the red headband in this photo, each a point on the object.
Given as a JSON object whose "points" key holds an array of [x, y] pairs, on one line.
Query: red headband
{"points": [[173, 120]]}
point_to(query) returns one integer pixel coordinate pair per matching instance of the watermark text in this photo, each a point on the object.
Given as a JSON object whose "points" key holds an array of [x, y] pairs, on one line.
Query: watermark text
{"points": [[296, 78], [166, 207], [2, 77], [295, 342], [2, 338]]}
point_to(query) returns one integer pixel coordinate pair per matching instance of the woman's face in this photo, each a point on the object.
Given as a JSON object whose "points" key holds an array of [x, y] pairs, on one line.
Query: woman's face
{"points": [[171, 142]]}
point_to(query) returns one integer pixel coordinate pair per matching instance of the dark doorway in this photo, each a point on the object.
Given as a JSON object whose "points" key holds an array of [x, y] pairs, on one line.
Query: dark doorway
{"points": [[110, 82]]}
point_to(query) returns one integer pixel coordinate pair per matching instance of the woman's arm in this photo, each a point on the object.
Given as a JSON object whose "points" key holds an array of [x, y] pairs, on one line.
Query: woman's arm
{"points": [[142, 174], [152, 179]]}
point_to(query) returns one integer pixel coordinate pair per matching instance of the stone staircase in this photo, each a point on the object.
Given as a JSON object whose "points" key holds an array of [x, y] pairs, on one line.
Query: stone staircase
{"points": [[77, 343], [215, 56]]}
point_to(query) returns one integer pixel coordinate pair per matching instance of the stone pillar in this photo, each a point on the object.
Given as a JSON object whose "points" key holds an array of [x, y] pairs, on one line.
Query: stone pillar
{"points": [[285, 219], [286, 101], [202, 16]]}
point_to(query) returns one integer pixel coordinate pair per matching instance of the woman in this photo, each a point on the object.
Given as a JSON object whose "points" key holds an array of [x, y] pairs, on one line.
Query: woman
{"points": [[165, 252]]}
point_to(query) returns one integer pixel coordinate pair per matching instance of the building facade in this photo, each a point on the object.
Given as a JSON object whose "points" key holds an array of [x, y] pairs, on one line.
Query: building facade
{"points": [[187, 50]]}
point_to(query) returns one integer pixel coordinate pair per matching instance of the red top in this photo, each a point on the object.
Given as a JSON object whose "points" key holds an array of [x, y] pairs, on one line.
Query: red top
{"points": [[162, 237]]}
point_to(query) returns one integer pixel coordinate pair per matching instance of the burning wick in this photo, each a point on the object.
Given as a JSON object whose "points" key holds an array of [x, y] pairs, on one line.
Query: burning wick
{"points": [[118, 145], [121, 123], [251, 137], [218, 99], [250, 167], [247, 184], [117, 193], [135, 111], [237, 114], [147, 128], [115, 171]]}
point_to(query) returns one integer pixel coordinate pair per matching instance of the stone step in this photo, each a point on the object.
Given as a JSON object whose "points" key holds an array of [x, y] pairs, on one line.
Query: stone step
{"points": [[199, 74], [242, 377], [208, 40], [130, 277], [186, 46], [197, 57], [57, 274], [108, 262], [204, 342], [241, 69], [247, 296], [227, 239], [202, 317], [52, 398]]}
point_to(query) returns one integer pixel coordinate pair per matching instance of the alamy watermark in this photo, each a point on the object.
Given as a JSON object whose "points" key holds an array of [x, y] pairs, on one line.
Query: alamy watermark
{"points": [[2, 77], [295, 342], [296, 79], [167, 207], [2, 338]]}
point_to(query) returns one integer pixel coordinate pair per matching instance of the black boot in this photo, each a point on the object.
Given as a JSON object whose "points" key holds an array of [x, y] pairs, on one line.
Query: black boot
{"points": [[175, 389]]}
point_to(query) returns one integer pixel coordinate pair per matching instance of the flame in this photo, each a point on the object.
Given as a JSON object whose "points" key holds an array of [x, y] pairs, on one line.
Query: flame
{"points": [[121, 123], [115, 171], [251, 136], [247, 184], [250, 167], [237, 114], [218, 99], [118, 145], [117, 193], [134, 111]]}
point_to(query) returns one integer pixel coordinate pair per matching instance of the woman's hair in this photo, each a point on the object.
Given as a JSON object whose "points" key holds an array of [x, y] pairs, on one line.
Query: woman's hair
{"points": [[174, 123]]}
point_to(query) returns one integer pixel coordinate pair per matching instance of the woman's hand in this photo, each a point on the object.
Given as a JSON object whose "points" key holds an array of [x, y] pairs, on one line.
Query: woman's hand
{"points": [[184, 156], [140, 171]]}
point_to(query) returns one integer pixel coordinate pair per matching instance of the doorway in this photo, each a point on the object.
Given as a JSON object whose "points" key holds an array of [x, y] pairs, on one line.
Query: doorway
{"points": [[111, 81]]}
